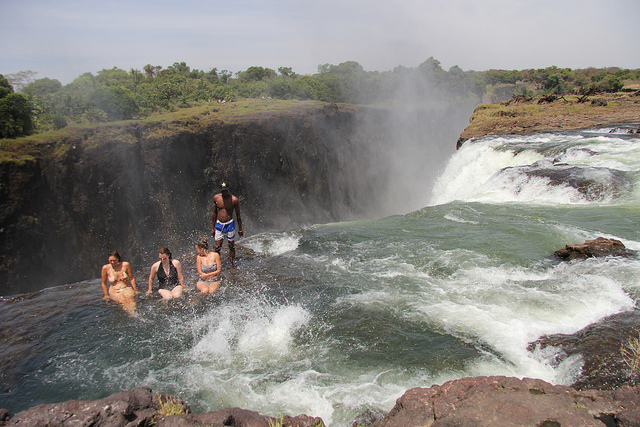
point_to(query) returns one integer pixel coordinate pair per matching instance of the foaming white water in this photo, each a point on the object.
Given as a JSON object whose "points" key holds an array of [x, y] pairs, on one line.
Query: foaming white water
{"points": [[261, 356], [272, 245], [503, 308], [509, 169], [471, 167], [255, 331], [248, 356]]}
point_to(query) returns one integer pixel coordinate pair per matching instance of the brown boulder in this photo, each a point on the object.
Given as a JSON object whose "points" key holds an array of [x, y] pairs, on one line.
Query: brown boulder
{"points": [[477, 401], [141, 407], [236, 417], [504, 401], [598, 346], [597, 247], [131, 407]]}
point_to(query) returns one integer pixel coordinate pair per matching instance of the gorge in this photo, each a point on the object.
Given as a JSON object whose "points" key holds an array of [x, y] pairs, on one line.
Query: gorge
{"points": [[68, 198], [382, 267]]}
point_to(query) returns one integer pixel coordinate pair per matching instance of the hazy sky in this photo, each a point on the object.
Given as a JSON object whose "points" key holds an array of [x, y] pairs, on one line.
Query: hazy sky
{"points": [[62, 39]]}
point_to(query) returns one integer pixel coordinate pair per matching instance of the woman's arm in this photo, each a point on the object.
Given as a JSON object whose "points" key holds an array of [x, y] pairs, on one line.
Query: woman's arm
{"points": [[103, 273], [132, 279], [178, 266], [152, 275], [218, 262], [199, 268]]}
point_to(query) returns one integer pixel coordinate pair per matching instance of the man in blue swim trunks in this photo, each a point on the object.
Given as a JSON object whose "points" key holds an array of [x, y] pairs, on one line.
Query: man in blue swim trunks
{"points": [[222, 223]]}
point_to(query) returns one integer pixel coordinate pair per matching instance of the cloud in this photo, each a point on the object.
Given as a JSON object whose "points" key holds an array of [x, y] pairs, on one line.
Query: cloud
{"points": [[66, 38]]}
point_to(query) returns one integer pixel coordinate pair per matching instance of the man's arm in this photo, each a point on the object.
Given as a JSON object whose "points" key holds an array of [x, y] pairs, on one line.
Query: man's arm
{"points": [[214, 216], [239, 218]]}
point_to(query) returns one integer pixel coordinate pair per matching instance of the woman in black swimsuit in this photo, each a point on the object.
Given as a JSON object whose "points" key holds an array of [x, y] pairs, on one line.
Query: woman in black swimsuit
{"points": [[169, 272]]}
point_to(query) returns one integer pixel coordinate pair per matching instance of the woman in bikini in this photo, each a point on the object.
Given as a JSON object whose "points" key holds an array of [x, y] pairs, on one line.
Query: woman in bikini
{"points": [[169, 272], [122, 285], [209, 266]]}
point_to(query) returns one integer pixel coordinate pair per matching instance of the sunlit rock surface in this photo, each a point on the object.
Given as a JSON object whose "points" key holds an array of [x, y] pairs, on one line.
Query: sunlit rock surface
{"points": [[477, 401]]}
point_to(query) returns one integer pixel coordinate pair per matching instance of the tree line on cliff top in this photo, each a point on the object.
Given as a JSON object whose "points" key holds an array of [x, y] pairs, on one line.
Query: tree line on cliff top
{"points": [[38, 105]]}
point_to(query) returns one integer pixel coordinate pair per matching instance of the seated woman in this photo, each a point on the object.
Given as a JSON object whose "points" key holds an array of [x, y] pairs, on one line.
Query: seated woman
{"points": [[169, 272], [209, 266], [122, 284]]}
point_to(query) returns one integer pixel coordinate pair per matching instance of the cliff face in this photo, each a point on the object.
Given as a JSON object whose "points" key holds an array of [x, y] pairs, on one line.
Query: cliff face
{"points": [[136, 186]]}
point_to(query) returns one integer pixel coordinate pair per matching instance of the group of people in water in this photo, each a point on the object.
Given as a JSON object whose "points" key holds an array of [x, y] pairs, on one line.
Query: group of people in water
{"points": [[119, 283]]}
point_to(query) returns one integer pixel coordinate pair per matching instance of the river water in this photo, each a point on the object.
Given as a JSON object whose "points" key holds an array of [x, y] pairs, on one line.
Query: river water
{"points": [[336, 319]]}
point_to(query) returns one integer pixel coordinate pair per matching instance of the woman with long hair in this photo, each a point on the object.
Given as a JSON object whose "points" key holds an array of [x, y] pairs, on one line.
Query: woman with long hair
{"points": [[169, 272], [122, 288]]}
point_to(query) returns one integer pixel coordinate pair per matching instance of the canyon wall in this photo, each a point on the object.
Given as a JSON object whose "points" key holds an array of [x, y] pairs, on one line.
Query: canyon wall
{"points": [[134, 186]]}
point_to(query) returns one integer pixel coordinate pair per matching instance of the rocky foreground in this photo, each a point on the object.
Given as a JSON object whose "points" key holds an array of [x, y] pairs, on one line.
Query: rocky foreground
{"points": [[478, 401]]}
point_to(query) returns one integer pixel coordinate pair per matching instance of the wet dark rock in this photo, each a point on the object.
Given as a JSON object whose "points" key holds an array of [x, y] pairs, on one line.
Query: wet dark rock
{"points": [[367, 418], [596, 184], [599, 347], [504, 401], [597, 247]]}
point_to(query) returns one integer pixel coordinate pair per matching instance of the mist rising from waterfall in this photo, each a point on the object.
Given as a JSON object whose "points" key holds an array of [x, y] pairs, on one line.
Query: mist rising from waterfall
{"points": [[417, 131]]}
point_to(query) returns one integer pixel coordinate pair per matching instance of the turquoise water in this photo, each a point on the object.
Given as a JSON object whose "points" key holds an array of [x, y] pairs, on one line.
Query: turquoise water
{"points": [[332, 320]]}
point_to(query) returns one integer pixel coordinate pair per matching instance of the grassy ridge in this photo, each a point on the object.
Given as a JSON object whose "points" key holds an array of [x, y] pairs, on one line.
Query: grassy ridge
{"points": [[25, 149], [521, 116]]}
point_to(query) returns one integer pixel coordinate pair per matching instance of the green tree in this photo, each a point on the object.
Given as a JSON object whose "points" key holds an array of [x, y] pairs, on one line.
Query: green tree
{"points": [[15, 112], [151, 70], [555, 84], [5, 87], [256, 74], [610, 83], [280, 88], [117, 102], [305, 88], [287, 72], [43, 87], [115, 77]]}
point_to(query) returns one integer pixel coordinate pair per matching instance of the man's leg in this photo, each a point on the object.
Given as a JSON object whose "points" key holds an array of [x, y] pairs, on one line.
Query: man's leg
{"points": [[232, 252], [218, 246]]}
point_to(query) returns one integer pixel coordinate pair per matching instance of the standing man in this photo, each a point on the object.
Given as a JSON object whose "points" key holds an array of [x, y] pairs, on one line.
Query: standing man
{"points": [[222, 224]]}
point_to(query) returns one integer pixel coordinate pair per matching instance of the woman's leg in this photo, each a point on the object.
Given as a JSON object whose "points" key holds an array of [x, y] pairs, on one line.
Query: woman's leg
{"points": [[213, 287], [177, 291], [126, 297], [202, 287], [165, 294], [207, 288]]}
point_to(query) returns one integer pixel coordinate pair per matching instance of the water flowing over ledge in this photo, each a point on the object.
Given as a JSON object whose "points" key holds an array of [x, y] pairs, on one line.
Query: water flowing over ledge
{"points": [[522, 116]]}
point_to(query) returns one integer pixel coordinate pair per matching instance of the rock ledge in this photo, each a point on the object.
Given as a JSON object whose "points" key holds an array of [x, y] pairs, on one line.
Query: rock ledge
{"points": [[520, 116], [475, 401]]}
